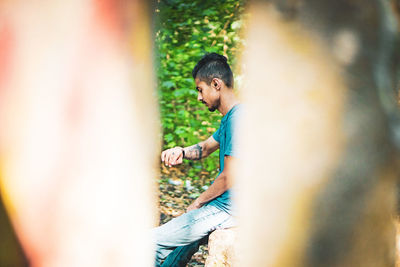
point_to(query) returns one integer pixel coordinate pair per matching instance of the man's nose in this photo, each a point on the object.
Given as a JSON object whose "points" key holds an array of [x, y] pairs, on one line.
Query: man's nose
{"points": [[199, 97]]}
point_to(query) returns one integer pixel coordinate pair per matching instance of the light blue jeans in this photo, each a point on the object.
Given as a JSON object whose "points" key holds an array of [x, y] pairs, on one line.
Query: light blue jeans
{"points": [[188, 228]]}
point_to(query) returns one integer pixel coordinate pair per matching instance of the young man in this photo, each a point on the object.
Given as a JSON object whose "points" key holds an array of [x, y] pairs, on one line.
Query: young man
{"points": [[179, 238]]}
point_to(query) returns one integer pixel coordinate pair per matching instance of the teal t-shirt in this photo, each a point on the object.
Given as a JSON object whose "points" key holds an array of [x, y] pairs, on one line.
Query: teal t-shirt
{"points": [[225, 136]]}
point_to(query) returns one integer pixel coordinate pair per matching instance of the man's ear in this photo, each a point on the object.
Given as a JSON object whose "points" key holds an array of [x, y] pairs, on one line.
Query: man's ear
{"points": [[216, 83]]}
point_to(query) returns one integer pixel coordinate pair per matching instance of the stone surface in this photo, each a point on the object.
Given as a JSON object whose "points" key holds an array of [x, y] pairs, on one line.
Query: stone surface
{"points": [[222, 248]]}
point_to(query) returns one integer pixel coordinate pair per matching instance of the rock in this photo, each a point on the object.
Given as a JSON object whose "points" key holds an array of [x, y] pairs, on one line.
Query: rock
{"points": [[188, 185], [194, 195], [175, 181], [222, 248]]}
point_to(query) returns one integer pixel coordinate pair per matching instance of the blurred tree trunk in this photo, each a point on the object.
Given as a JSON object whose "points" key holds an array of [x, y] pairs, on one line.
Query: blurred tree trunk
{"points": [[320, 145], [78, 132]]}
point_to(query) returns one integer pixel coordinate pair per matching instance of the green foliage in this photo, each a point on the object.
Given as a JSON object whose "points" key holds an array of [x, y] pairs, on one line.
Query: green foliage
{"points": [[185, 31]]}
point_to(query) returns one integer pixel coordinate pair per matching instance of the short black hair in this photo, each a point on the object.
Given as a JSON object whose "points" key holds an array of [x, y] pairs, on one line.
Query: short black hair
{"points": [[211, 66]]}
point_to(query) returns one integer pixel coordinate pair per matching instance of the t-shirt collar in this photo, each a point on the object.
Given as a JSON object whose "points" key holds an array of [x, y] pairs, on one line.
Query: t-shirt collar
{"points": [[228, 113]]}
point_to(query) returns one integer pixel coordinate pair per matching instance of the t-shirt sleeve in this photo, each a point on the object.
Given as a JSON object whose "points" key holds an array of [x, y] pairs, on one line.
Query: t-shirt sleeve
{"points": [[216, 135], [230, 140]]}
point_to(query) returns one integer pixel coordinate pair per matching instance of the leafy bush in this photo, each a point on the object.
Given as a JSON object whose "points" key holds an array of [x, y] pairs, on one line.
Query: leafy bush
{"points": [[185, 31]]}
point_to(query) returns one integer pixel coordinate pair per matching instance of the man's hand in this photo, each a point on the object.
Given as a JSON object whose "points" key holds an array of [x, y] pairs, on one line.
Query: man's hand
{"points": [[172, 156], [194, 206]]}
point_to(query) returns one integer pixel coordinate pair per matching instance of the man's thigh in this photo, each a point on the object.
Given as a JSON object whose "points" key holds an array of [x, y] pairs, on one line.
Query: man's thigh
{"points": [[192, 226]]}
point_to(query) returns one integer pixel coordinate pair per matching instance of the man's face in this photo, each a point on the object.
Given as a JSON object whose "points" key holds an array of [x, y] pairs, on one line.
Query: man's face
{"points": [[207, 94]]}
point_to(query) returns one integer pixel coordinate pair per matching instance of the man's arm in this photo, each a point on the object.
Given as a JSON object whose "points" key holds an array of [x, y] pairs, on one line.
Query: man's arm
{"points": [[222, 183], [174, 156], [202, 149]]}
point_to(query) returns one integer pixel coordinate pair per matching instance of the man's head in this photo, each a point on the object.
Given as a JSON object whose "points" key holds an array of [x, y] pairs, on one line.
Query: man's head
{"points": [[211, 74]]}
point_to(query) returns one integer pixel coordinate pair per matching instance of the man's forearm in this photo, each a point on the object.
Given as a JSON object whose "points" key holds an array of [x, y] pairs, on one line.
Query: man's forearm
{"points": [[194, 152], [220, 185]]}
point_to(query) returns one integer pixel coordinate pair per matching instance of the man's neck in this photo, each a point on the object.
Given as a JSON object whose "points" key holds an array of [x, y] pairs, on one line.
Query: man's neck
{"points": [[228, 101]]}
